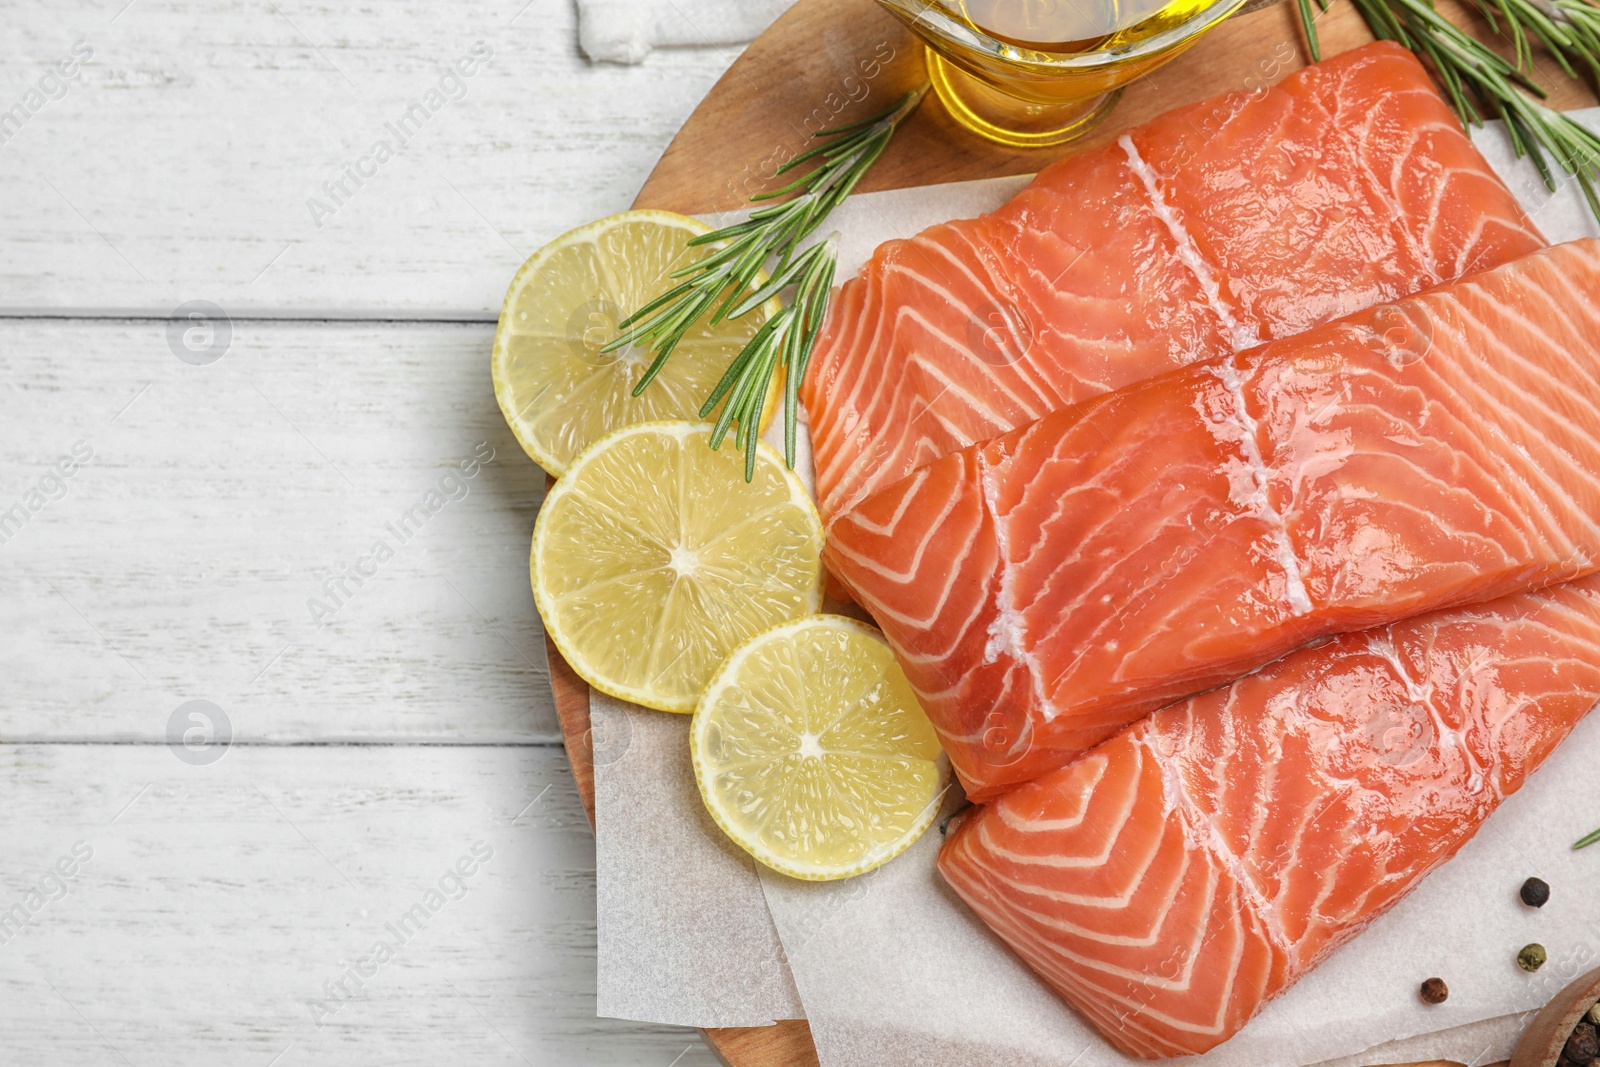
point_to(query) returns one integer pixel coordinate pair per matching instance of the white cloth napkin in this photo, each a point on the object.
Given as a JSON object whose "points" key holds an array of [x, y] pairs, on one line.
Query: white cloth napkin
{"points": [[625, 31]]}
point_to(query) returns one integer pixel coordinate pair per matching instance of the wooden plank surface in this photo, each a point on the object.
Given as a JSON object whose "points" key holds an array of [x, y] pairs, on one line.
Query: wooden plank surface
{"points": [[177, 563], [217, 541], [179, 162], [220, 907]]}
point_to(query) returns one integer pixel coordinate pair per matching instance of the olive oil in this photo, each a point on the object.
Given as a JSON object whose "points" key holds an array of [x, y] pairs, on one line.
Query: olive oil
{"points": [[1041, 72], [1072, 25]]}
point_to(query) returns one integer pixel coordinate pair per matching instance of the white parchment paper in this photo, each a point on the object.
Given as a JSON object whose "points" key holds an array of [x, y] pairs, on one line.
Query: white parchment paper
{"points": [[1489, 1041], [684, 935], [891, 968]]}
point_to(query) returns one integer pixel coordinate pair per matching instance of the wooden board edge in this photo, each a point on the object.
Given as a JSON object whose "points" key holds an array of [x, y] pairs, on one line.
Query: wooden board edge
{"points": [[788, 1044], [572, 711]]}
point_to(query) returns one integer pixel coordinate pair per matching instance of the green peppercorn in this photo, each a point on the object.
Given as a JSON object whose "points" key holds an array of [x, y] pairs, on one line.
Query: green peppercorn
{"points": [[1535, 892], [1594, 1013], [1434, 991], [1531, 958]]}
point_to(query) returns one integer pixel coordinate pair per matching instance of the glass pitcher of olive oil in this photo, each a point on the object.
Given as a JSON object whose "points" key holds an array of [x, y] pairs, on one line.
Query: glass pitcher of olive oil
{"points": [[1029, 73]]}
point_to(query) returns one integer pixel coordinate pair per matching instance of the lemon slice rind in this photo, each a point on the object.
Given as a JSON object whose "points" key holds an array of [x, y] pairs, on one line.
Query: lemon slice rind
{"points": [[931, 783], [558, 394], [643, 512]]}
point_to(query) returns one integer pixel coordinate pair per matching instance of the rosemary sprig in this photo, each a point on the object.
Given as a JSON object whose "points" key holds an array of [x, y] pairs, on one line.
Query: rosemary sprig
{"points": [[1586, 840], [724, 284], [1480, 83]]}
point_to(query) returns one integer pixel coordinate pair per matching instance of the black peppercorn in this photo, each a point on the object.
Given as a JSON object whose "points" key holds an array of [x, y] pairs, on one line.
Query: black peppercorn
{"points": [[1583, 1047], [1535, 892], [1434, 991], [953, 820]]}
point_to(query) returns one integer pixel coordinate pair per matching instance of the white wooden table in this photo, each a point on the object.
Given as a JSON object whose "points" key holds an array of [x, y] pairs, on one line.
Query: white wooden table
{"points": [[381, 717]]}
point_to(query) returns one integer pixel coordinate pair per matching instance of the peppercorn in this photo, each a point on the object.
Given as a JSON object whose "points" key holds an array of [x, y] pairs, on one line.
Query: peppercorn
{"points": [[1535, 892], [1531, 958], [1434, 991], [1583, 1047], [1594, 1014], [953, 820]]}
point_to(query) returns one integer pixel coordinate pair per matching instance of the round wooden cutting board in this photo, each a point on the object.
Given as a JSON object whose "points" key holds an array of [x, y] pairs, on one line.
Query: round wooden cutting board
{"points": [[830, 62]]}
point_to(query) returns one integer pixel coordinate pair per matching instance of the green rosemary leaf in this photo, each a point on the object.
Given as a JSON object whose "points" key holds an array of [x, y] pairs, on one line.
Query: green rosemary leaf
{"points": [[1451, 81], [1488, 9], [661, 301], [834, 130], [803, 157], [785, 276], [1535, 147], [798, 183], [1586, 184], [728, 282], [737, 369], [1309, 21], [1587, 840]]}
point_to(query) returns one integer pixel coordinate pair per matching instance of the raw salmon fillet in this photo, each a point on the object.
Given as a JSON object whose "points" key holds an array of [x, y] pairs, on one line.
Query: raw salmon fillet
{"points": [[1173, 880], [1046, 588], [1207, 231]]}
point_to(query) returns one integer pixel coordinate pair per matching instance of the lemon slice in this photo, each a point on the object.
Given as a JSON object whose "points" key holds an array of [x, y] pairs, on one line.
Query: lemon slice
{"points": [[557, 390], [812, 752], [653, 559]]}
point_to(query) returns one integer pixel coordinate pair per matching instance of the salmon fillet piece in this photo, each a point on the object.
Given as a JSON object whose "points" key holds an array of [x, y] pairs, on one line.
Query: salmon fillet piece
{"points": [[1207, 231], [1046, 588], [1176, 878]]}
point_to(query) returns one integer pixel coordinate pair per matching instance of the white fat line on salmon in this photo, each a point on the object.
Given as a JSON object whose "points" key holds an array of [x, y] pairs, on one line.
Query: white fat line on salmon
{"points": [[1421, 693], [1242, 336], [1007, 632], [1205, 835], [1257, 500]]}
